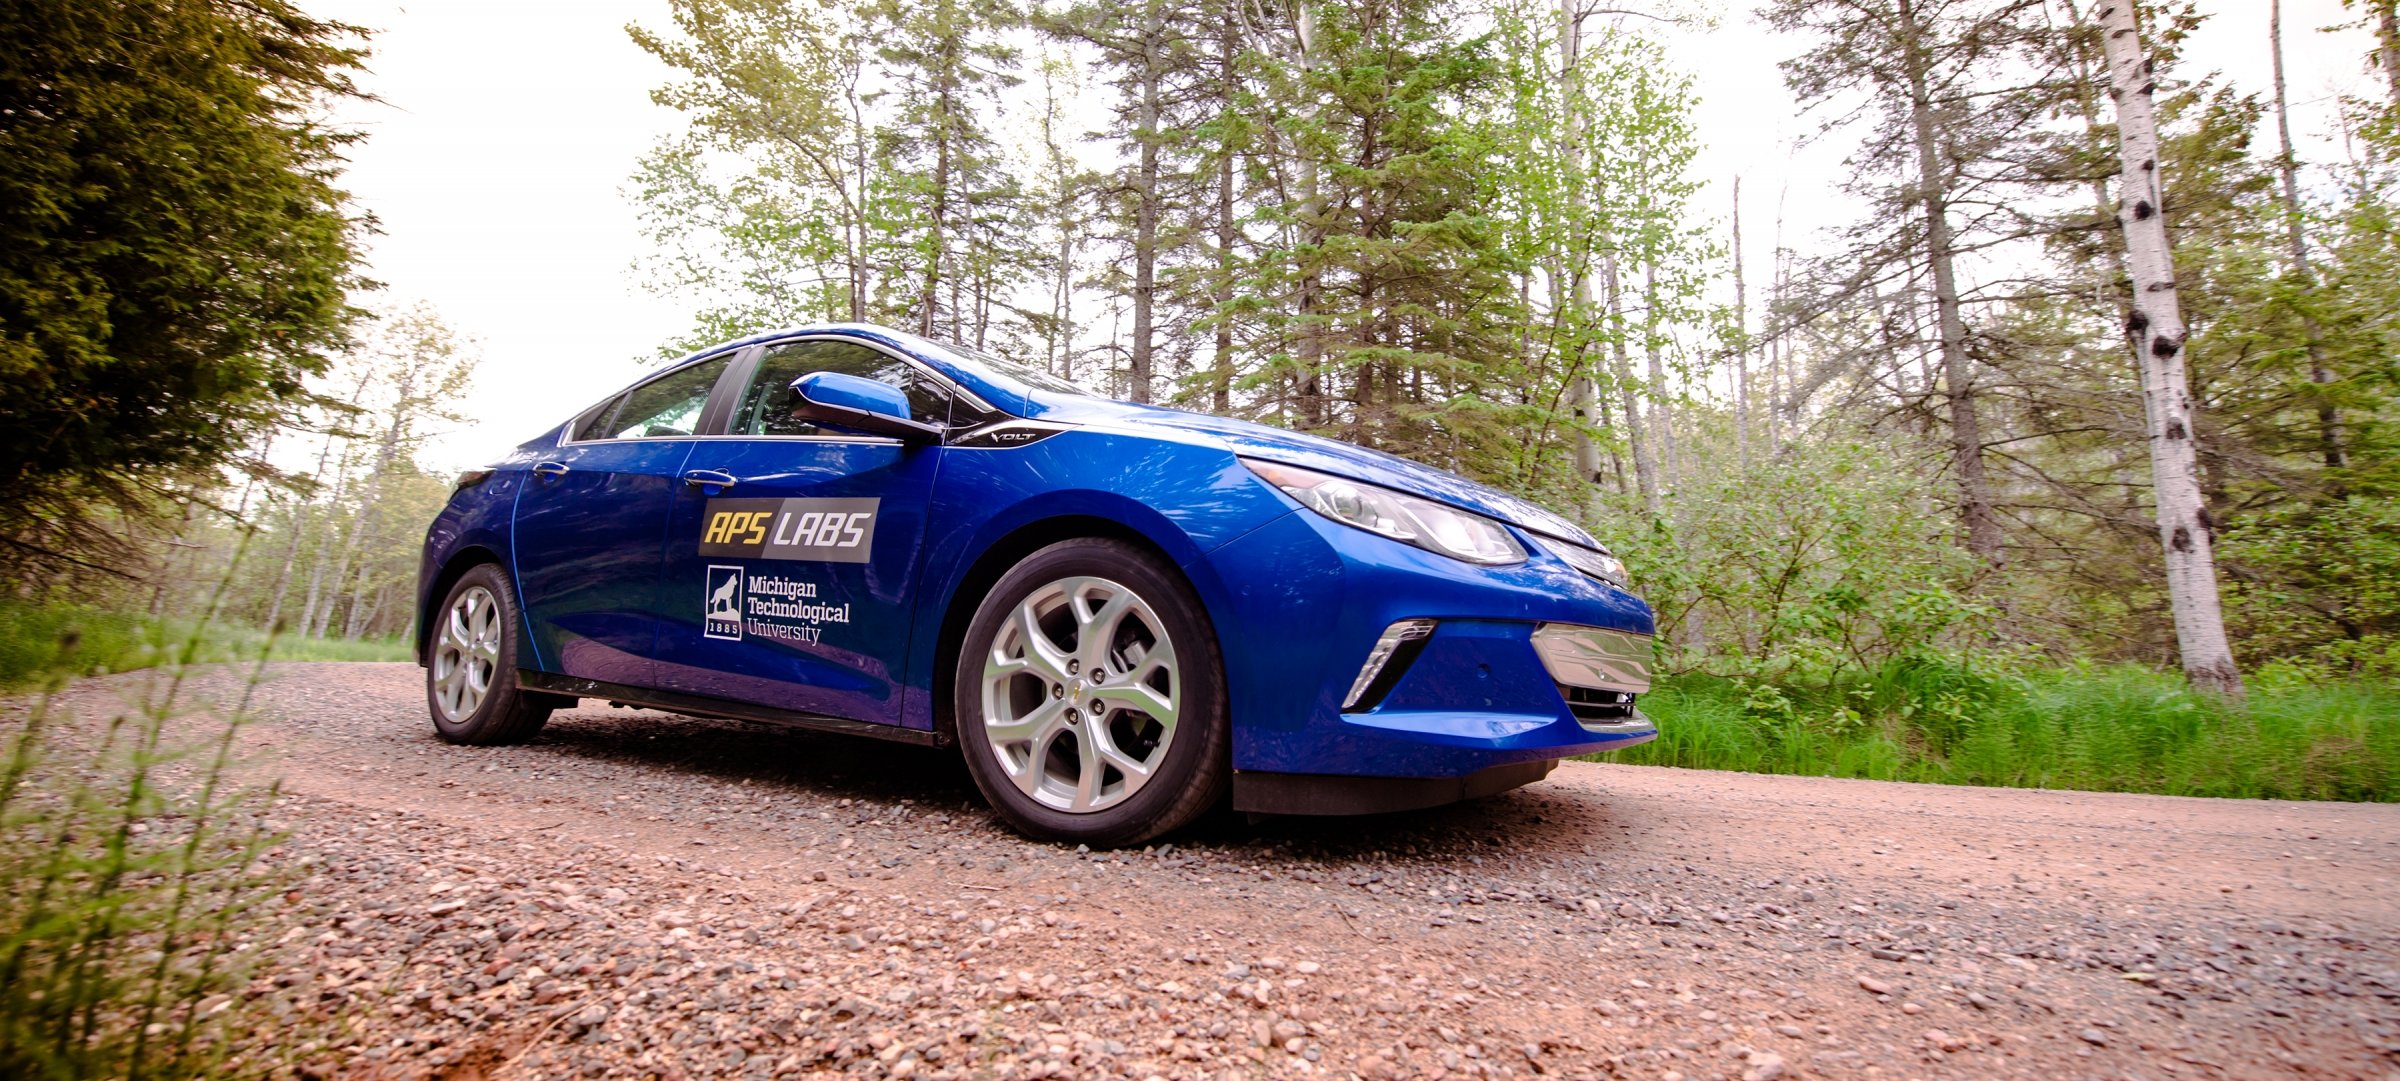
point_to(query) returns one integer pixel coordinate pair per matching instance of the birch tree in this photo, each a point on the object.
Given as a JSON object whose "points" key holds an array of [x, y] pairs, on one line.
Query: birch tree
{"points": [[2158, 336]]}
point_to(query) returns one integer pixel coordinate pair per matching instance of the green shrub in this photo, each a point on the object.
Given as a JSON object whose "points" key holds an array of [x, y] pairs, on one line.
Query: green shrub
{"points": [[110, 640], [2116, 728], [128, 882]]}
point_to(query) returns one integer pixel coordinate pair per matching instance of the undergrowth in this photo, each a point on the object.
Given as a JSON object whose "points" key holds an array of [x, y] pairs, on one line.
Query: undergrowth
{"points": [[108, 640], [2113, 728], [132, 863]]}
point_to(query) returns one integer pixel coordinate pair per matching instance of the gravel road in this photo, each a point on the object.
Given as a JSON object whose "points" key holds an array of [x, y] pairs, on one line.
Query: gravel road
{"points": [[640, 894]]}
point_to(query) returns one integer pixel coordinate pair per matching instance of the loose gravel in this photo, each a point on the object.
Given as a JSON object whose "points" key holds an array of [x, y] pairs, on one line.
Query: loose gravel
{"points": [[636, 894]]}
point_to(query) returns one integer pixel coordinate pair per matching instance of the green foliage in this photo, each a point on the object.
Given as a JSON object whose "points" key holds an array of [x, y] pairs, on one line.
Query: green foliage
{"points": [[129, 890], [43, 642], [1826, 559], [2111, 728], [173, 253], [2317, 587]]}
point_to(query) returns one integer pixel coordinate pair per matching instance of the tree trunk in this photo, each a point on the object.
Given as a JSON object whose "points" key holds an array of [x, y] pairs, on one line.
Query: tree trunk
{"points": [[1662, 421], [1741, 338], [370, 508], [1145, 207], [2157, 331], [1981, 526], [1221, 378], [1312, 239], [859, 133], [2329, 419], [946, 98], [1645, 468], [2387, 44], [299, 527]]}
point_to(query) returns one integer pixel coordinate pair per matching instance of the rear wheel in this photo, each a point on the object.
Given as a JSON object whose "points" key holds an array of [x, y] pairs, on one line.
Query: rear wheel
{"points": [[471, 669], [1090, 698]]}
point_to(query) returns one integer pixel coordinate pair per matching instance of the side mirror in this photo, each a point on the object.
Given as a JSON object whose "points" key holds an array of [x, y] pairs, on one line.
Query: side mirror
{"points": [[858, 404]]}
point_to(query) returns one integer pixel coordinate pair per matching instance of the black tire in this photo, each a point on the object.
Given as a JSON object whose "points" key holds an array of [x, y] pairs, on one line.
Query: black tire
{"points": [[1188, 762], [503, 712]]}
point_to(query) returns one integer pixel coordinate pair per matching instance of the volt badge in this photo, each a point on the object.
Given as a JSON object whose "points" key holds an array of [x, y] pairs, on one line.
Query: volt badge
{"points": [[721, 613]]}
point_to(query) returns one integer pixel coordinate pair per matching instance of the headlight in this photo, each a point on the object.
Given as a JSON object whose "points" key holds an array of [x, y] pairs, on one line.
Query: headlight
{"points": [[1405, 518], [1598, 564]]}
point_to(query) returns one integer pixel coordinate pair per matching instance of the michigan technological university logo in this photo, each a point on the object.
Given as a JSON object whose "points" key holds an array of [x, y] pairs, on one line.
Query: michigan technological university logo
{"points": [[722, 611]]}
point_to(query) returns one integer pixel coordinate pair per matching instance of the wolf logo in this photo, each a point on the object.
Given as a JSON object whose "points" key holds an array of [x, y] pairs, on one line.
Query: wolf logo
{"points": [[722, 612]]}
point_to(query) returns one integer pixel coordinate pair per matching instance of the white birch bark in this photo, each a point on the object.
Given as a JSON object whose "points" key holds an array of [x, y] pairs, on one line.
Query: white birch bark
{"points": [[2157, 330]]}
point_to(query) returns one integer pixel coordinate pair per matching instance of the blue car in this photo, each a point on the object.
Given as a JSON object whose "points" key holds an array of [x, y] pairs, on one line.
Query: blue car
{"points": [[1120, 614]]}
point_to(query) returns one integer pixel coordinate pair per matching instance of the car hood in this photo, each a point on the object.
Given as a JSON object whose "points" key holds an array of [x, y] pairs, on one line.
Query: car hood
{"points": [[1253, 440]]}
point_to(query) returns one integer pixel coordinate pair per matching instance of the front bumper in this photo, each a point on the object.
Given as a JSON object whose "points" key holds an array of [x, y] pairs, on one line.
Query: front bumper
{"points": [[1483, 700]]}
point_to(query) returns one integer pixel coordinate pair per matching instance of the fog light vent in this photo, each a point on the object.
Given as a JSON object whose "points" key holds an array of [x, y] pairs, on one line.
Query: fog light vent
{"points": [[1399, 641]]}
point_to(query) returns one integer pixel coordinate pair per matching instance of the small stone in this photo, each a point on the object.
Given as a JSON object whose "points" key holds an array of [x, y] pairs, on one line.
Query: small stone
{"points": [[1764, 1066], [1874, 986], [2093, 1036]]}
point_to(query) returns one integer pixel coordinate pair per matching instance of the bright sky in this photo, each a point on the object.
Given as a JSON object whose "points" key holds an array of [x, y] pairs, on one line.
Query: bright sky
{"points": [[497, 157]]}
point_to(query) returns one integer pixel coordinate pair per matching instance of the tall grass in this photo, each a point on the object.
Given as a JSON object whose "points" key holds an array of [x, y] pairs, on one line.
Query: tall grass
{"points": [[110, 640], [131, 862], [2113, 728]]}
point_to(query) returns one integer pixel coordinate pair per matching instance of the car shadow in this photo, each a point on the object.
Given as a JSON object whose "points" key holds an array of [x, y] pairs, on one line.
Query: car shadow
{"points": [[827, 765], [1540, 819]]}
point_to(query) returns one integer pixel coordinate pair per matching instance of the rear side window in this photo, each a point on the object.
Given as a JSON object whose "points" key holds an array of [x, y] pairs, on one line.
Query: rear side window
{"points": [[766, 408], [667, 407]]}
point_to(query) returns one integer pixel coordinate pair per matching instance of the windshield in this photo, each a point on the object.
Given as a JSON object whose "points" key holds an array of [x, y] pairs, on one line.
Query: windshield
{"points": [[1022, 373]]}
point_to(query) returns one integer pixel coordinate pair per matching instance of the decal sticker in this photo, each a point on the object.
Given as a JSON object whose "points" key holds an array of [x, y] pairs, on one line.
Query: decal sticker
{"points": [[823, 530], [721, 614], [787, 609], [744, 604]]}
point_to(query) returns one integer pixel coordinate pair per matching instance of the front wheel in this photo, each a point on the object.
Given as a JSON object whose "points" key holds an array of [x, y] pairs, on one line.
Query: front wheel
{"points": [[471, 669], [1089, 696]]}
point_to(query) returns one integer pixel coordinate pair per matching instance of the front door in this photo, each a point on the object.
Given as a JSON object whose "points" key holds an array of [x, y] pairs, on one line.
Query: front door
{"points": [[591, 528], [794, 585]]}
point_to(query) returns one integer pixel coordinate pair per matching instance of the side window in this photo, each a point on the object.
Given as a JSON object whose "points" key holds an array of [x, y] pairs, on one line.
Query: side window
{"points": [[667, 407], [766, 408]]}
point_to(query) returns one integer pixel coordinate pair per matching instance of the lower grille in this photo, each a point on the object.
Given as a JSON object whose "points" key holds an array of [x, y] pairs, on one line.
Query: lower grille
{"points": [[1596, 706]]}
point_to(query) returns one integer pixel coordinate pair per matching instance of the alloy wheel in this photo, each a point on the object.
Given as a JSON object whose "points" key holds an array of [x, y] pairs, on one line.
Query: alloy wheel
{"points": [[1081, 694], [466, 655]]}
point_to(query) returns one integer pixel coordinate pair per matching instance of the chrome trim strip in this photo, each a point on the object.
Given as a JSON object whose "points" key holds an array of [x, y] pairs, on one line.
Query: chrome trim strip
{"points": [[878, 440], [1595, 657], [1633, 722]]}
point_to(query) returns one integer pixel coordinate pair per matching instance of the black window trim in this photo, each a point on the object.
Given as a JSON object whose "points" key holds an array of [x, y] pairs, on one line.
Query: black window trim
{"points": [[712, 413], [747, 367]]}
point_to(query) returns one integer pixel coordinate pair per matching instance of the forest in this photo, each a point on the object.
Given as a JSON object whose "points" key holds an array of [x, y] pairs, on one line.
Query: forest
{"points": [[1901, 483], [1896, 492]]}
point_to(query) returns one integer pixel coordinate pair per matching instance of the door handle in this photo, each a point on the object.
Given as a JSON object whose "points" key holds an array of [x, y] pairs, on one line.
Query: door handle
{"points": [[708, 478], [550, 469]]}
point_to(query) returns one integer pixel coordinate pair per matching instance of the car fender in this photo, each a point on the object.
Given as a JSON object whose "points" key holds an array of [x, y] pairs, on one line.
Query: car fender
{"points": [[473, 528], [1183, 499]]}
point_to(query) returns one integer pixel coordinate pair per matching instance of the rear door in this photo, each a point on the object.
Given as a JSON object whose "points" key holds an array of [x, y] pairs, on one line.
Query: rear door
{"points": [[794, 585], [591, 521]]}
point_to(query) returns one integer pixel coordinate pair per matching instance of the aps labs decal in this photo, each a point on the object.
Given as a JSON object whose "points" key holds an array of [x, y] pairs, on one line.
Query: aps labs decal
{"points": [[822, 530], [742, 602]]}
